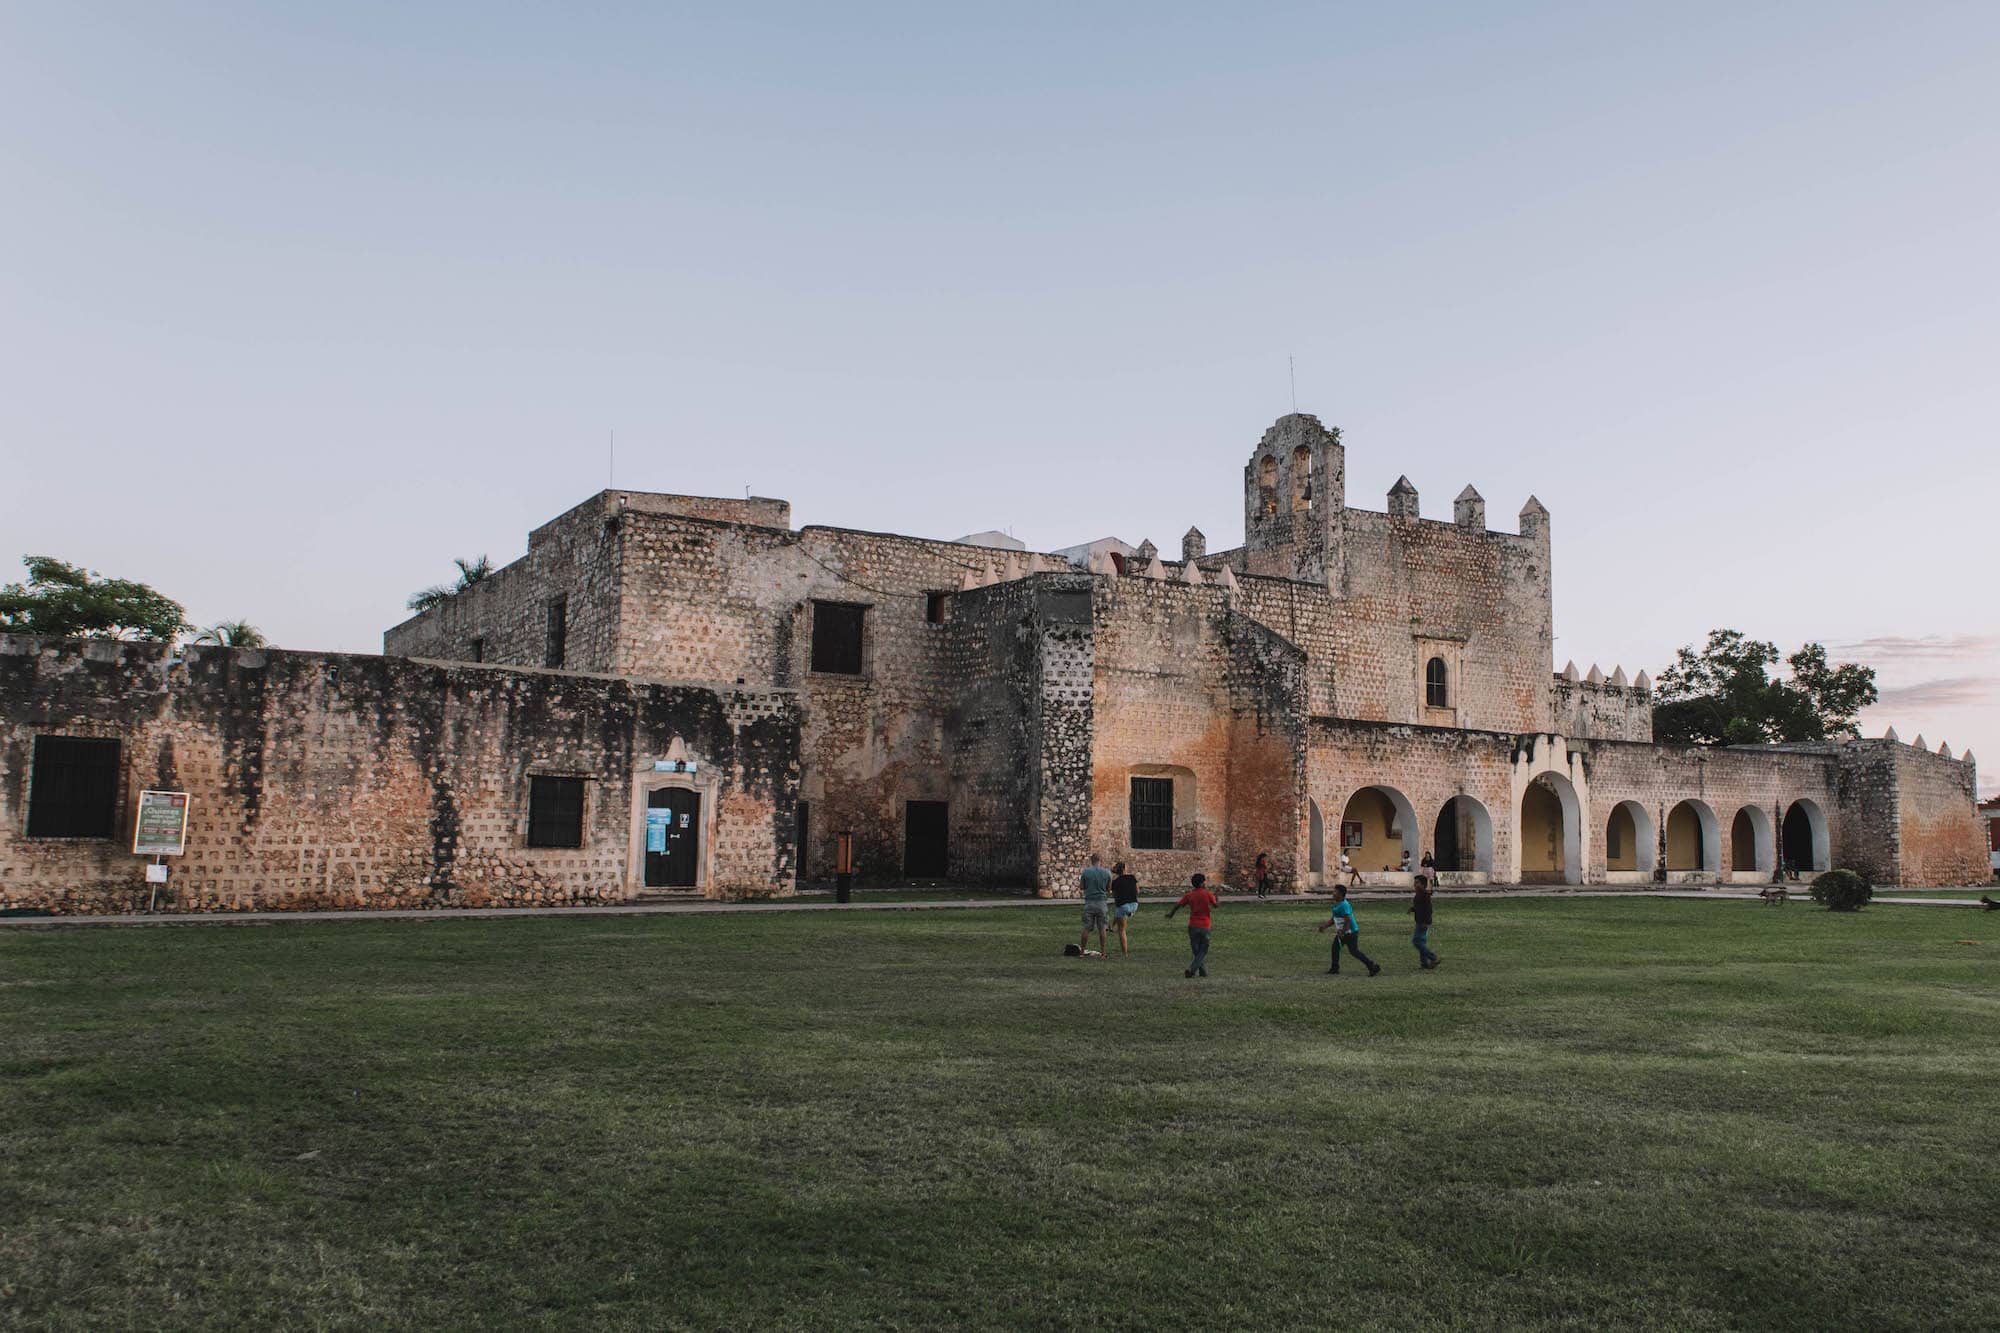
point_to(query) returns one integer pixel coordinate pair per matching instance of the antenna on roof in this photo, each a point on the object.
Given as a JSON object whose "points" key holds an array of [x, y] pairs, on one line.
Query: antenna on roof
{"points": [[611, 464], [1292, 366]]}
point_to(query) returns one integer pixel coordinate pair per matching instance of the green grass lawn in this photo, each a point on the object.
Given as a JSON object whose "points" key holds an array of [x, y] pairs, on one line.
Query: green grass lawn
{"points": [[1599, 1113]]}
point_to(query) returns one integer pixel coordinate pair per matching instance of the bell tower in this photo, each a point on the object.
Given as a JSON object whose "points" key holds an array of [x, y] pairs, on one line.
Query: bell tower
{"points": [[1294, 502]]}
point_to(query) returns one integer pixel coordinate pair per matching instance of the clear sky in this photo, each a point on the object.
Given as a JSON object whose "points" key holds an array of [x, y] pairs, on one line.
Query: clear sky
{"points": [[299, 301]]}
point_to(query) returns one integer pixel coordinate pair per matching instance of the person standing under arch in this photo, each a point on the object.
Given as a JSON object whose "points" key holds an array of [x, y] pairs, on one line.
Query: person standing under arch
{"points": [[1260, 875]]}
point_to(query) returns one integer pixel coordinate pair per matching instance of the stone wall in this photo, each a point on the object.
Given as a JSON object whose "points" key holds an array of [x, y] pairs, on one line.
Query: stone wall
{"points": [[993, 734], [344, 781], [1266, 681], [504, 617], [1415, 588], [1161, 711], [1910, 815], [1608, 710], [701, 593]]}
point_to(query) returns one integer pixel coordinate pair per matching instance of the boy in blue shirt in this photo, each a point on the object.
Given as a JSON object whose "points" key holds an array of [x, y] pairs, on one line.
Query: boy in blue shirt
{"points": [[1346, 929]]}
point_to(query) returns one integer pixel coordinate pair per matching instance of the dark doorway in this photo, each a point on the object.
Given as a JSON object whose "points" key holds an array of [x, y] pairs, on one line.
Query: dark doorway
{"points": [[1444, 838], [926, 839], [1802, 840], [675, 867]]}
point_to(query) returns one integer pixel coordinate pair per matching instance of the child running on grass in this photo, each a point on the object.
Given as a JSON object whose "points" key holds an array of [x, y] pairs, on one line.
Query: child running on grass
{"points": [[1346, 929], [1200, 904]]}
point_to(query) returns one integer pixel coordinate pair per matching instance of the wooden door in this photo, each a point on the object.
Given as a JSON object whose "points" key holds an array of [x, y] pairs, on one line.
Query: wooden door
{"points": [[676, 867]]}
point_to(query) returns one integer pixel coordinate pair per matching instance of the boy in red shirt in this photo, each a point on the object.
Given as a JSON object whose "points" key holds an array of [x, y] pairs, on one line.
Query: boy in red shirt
{"points": [[1200, 904]]}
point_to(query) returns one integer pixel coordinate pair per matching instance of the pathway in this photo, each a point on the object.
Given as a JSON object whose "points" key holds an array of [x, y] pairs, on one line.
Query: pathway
{"points": [[704, 908]]}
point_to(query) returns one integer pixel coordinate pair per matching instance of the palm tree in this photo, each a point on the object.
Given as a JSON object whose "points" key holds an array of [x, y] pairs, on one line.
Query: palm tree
{"points": [[233, 634], [469, 573]]}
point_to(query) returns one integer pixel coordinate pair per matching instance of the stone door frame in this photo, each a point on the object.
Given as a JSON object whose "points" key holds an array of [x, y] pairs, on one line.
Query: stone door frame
{"points": [[705, 783]]}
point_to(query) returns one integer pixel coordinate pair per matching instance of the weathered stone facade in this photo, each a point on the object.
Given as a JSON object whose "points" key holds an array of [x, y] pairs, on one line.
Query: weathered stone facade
{"points": [[343, 781], [1337, 651], [980, 714]]}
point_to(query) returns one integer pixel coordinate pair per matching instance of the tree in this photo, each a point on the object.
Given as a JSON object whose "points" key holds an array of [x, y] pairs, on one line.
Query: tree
{"points": [[67, 601], [1724, 695], [469, 573], [233, 634]]}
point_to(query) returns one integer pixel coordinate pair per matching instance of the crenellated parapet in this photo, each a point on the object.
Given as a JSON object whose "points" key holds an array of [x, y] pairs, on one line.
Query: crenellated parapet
{"points": [[1599, 707]]}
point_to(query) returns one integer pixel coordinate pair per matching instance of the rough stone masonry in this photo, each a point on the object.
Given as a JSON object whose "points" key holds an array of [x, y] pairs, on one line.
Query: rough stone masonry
{"points": [[687, 695]]}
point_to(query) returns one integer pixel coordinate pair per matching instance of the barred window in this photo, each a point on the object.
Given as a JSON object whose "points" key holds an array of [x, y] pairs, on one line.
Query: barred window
{"points": [[73, 788], [1152, 812], [555, 812]]}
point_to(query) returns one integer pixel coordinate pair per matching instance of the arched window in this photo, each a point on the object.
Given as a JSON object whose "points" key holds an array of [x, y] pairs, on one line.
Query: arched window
{"points": [[1267, 479], [1302, 485], [1437, 689]]}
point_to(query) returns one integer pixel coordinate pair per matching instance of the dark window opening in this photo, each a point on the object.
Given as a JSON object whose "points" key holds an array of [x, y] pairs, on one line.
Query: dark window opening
{"points": [[926, 839], [935, 607], [1436, 692], [73, 788], [558, 641], [555, 812], [479, 650], [836, 646], [1152, 813]]}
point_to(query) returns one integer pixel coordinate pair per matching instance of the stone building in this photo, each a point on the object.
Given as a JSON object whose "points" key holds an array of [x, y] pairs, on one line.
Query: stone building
{"points": [[1376, 680], [968, 711]]}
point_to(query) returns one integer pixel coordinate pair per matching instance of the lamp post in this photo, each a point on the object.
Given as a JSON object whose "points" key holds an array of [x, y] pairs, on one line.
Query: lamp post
{"points": [[843, 866]]}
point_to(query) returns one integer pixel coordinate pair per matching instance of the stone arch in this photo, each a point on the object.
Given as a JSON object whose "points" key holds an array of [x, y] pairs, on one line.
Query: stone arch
{"points": [[1750, 843], [1551, 831], [1267, 481], [1388, 828], [1807, 848], [1462, 838], [1302, 488], [1629, 842], [1694, 839]]}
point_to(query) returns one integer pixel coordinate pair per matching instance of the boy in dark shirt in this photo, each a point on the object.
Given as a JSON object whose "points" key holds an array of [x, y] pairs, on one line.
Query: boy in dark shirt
{"points": [[1420, 910], [1200, 904], [1124, 902]]}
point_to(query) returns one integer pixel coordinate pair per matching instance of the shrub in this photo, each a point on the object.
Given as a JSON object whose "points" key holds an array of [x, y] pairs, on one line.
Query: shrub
{"points": [[1842, 890]]}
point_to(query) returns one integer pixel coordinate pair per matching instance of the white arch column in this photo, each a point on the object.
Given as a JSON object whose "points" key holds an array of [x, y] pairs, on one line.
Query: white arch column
{"points": [[1535, 754]]}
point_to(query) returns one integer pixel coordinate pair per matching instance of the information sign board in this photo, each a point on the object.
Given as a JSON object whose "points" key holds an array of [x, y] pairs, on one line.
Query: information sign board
{"points": [[161, 829]]}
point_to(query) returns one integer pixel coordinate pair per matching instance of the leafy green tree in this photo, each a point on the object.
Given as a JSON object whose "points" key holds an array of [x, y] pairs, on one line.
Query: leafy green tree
{"points": [[67, 601], [1724, 694], [233, 634], [469, 573]]}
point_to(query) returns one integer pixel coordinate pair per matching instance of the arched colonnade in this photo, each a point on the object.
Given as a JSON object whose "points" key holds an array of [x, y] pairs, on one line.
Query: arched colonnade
{"points": [[1548, 833]]}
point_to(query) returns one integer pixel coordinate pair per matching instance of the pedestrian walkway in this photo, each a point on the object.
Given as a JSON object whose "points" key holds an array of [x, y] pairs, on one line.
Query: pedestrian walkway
{"points": [[703, 907]]}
